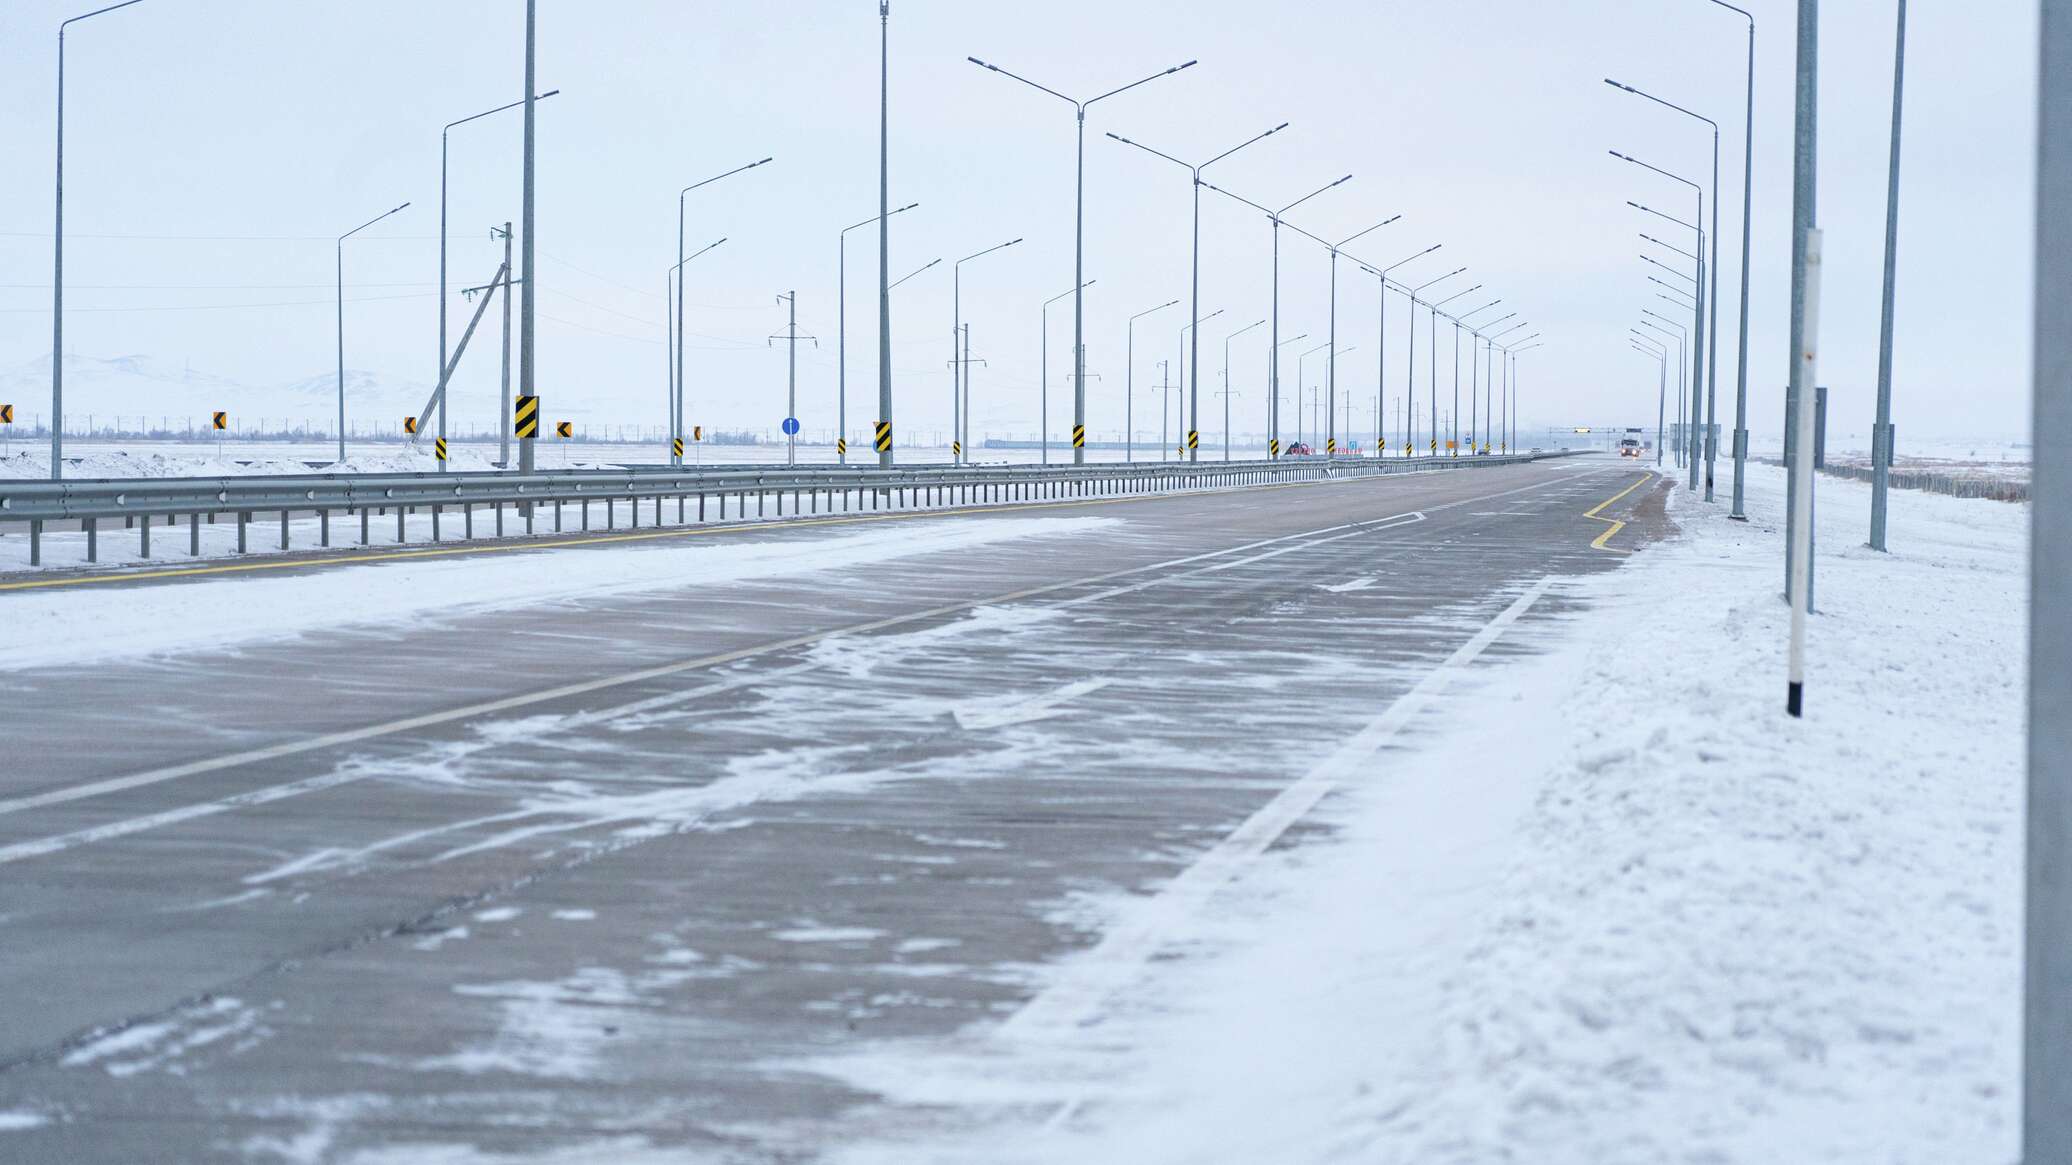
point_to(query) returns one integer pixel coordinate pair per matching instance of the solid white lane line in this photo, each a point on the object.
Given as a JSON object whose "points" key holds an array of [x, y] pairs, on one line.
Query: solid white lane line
{"points": [[1088, 980]]}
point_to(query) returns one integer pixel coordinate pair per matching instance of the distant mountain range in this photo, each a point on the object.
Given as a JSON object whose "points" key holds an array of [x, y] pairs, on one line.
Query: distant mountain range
{"points": [[150, 387]]}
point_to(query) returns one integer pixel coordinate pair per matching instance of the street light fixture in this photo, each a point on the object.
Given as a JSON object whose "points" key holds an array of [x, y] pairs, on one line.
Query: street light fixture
{"points": [[1712, 292], [1226, 382], [676, 393], [959, 375], [1079, 278], [1273, 407], [57, 279], [1195, 184], [1129, 375], [842, 332], [1184, 329], [341, 322], [448, 128], [1043, 393], [1331, 371]]}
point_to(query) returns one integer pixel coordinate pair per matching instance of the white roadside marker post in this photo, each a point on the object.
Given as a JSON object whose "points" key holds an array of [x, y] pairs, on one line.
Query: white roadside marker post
{"points": [[1802, 477]]}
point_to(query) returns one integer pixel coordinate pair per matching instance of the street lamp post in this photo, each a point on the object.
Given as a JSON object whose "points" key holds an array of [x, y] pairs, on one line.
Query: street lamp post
{"points": [[1881, 427], [1382, 340], [57, 280], [1641, 343], [341, 325], [1331, 371], [1079, 279], [1747, 203], [676, 390], [1682, 337], [1129, 444], [1226, 382], [1043, 391], [1273, 407], [1195, 184], [1410, 376], [669, 290], [1711, 294], [1698, 312], [1273, 411], [1181, 408], [842, 333], [958, 436], [442, 255]]}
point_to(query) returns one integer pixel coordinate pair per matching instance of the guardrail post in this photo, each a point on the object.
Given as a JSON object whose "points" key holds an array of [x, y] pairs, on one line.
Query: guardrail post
{"points": [[437, 509], [92, 539], [324, 529], [144, 535], [194, 535], [243, 517], [284, 529], [467, 520], [400, 511], [500, 519], [35, 542]]}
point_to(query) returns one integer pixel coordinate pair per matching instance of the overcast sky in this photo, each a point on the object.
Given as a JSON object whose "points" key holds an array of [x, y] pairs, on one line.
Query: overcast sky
{"points": [[1485, 125]]}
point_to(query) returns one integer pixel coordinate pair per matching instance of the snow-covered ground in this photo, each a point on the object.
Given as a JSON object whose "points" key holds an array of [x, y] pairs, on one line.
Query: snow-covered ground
{"points": [[78, 627], [1615, 908]]}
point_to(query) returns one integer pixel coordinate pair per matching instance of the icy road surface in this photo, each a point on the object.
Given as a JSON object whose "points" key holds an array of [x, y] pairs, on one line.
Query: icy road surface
{"points": [[602, 853]]}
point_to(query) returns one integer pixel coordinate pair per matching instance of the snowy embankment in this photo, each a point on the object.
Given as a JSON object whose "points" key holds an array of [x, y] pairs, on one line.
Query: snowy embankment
{"points": [[1615, 908]]}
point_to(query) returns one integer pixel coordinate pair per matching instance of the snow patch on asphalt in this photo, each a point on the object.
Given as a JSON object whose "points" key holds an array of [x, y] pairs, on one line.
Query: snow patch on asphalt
{"points": [[77, 626]]}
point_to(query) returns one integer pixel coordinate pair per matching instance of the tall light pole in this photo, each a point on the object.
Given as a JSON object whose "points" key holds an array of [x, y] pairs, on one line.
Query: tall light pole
{"points": [[1881, 428], [842, 333], [1043, 392], [1273, 414], [1382, 340], [1194, 357], [1433, 419], [529, 287], [1226, 382], [1302, 379], [341, 325], [1682, 338], [1698, 313], [1079, 278], [1711, 293], [1331, 371], [1185, 361], [441, 377], [884, 425], [671, 283], [2047, 984], [1747, 204], [1273, 407], [1129, 443], [957, 371], [676, 391], [1641, 343], [57, 280]]}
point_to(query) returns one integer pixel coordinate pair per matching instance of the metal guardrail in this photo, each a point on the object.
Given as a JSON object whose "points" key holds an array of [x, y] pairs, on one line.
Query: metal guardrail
{"points": [[813, 489]]}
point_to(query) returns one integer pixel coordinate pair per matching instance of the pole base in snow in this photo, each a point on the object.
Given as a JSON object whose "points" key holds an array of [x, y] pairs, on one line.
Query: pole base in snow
{"points": [[1795, 699]]}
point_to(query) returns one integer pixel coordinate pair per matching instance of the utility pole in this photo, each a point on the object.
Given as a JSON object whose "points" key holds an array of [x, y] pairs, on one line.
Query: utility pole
{"points": [[1881, 429], [1803, 220], [503, 454], [790, 336]]}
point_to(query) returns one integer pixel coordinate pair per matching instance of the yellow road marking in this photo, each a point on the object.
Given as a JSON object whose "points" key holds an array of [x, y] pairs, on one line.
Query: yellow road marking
{"points": [[1616, 524], [600, 539]]}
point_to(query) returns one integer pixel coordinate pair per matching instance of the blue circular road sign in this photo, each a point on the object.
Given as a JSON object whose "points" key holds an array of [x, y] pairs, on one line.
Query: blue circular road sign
{"points": [[791, 426]]}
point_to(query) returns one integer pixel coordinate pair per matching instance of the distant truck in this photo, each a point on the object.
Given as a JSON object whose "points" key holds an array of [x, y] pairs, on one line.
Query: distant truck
{"points": [[1630, 447]]}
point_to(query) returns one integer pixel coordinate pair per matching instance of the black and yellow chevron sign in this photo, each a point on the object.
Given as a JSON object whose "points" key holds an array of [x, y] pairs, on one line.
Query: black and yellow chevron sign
{"points": [[1331, 445], [1193, 438], [842, 446], [1079, 436], [1382, 446], [676, 446], [439, 448], [1435, 444], [564, 428], [1273, 447], [410, 424], [956, 448], [883, 429], [219, 420], [526, 418], [6, 414]]}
